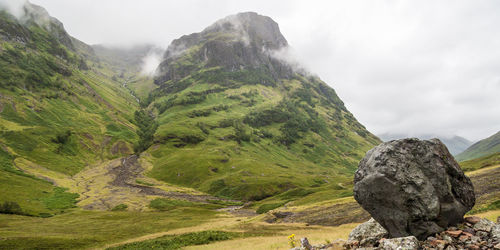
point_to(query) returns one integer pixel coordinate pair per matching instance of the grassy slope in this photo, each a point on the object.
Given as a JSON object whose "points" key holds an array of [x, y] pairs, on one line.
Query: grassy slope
{"points": [[481, 148], [207, 143], [83, 229], [45, 92], [481, 162]]}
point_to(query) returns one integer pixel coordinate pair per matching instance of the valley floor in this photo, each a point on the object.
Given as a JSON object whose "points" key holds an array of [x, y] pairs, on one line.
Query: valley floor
{"points": [[80, 229]]}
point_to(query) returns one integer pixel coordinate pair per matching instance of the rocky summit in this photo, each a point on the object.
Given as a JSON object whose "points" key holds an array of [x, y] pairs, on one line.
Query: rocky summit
{"points": [[245, 41], [413, 187]]}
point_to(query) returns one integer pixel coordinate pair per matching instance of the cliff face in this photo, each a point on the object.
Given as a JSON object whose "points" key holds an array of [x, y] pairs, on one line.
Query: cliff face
{"points": [[245, 41]]}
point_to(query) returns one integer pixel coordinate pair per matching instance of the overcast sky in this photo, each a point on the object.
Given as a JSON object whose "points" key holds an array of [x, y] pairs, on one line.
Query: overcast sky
{"points": [[409, 67]]}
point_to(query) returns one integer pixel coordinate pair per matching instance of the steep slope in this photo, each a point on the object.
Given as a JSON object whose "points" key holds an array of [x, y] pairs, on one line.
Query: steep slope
{"points": [[481, 148], [237, 120], [455, 144], [59, 108]]}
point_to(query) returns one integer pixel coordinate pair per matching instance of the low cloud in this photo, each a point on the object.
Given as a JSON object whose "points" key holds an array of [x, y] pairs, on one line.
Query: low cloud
{"points": [[150, 62], [14, 7]]}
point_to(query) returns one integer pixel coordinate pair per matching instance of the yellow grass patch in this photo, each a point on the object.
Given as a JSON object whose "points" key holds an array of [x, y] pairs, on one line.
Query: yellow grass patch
{"points": [[490, 215], [482, 170], [315, 234]]}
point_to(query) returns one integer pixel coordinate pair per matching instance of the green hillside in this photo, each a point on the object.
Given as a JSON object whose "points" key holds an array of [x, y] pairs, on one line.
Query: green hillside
{"points": [[234, 121], [59, 108], [481, 148], [481, 162]]}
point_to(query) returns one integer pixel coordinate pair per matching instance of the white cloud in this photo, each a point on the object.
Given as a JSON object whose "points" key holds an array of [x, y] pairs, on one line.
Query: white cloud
{"points": [[150, 62]]}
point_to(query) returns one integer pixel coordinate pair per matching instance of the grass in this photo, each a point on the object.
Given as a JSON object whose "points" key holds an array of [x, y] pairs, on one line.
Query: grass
{"points": [[482, 148], [266, 140], [162, 204], [279, 239], [179, 241], [481, 162], [84, 229]]}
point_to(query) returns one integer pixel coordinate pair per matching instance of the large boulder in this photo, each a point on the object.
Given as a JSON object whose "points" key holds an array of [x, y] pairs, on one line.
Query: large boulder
{"points": [[413, 187]]}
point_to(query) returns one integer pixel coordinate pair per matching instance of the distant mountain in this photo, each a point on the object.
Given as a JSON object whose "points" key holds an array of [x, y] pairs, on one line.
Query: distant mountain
{"points": [[455, 144], [481, 148]]}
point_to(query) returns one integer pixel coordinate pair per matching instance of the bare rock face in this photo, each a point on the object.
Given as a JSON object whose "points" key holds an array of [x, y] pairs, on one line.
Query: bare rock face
{"points": [[242, 42], [413, 187]]}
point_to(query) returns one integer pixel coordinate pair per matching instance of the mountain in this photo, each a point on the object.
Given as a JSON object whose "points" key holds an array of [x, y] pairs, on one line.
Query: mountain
{"points": [[235, 119], [226, 115], [481, 148], [60, 111], [455, 144]]}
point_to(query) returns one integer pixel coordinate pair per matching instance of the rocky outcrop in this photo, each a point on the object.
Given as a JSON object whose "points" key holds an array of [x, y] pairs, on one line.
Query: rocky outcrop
{"points": [[367, 234], [413, 187], [242, 42]]}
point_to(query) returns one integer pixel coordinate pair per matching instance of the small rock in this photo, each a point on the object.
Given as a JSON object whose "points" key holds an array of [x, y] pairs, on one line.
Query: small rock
{"points": [[439, 244], [484, 225], [450, 247], [367, 234], [467, 234], [472, 219], [497, 246], [498, 220], [463, 238], [407, 243], [472, 246], [482, 234], [475, 239], [495, 232], [448, 239], [304, 244], [454, 233], [469, 230]]}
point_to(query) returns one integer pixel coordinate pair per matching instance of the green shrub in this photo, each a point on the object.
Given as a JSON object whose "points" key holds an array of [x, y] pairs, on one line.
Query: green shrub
{"points": [[146, 129], [179, 241], [62, 138], [120, 207], [163, 204], [10, 207], [267, 207]]}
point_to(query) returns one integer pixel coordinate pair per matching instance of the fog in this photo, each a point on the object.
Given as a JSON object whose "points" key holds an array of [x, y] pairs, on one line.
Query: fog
{"points": [[412, 67]]}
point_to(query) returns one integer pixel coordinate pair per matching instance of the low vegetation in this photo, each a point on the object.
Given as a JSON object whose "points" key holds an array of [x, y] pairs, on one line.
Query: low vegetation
{"points": [[481, 162], [146, 128], [179, 241]]}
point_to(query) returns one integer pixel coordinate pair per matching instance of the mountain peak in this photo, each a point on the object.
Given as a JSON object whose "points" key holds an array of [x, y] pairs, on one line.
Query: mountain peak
{"points": [[244, 41], [251, 27]]}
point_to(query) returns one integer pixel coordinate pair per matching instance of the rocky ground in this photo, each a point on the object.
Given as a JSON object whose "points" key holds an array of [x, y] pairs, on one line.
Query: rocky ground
{"points": [[473, 233], [106, 185]]}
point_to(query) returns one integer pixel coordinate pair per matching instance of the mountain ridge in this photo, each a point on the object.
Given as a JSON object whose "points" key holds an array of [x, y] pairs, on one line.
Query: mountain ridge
{"points": [[487, 146], [455, 144]]}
